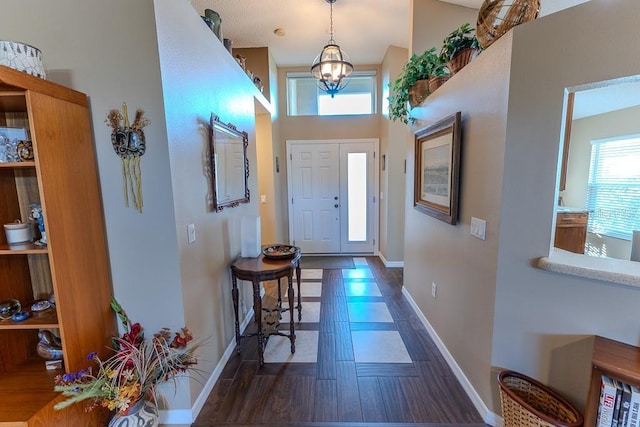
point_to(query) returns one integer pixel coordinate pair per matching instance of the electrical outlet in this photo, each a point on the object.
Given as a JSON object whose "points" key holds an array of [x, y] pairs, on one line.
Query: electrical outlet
{"points": [[434, 289]]}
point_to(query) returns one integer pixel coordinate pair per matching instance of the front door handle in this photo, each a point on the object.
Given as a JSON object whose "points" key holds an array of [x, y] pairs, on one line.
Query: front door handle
{"points": [[336, 205]]}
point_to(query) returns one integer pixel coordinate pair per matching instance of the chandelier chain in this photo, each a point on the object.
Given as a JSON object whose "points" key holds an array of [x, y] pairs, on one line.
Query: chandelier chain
{"points": [[331, 40]]}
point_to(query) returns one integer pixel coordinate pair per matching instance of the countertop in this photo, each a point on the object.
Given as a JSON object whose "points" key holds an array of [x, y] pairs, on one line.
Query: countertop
{"points": [[570, 209]]}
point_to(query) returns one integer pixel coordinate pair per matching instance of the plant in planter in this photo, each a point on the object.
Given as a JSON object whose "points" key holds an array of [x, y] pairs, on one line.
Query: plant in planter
{"points": [[411, 85], [459, 48]]}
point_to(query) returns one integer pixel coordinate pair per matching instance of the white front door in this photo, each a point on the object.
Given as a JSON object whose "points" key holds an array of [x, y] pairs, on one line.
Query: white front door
{"points": [[314, 181], [332, 188]]}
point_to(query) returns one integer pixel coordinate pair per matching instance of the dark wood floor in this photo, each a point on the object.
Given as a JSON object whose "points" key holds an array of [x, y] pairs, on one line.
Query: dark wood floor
{"points": [[336, 391]]}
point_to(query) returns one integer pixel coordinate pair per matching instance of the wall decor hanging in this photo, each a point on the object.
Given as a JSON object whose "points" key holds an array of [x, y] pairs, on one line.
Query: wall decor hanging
{"points": [[129, 143]]}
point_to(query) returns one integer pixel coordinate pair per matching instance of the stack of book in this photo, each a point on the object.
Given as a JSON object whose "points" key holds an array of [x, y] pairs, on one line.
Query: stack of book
{"points": [[619, 404]]}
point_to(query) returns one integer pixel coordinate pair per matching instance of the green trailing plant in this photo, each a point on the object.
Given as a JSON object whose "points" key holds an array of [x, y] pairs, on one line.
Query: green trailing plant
{"points": [[457, 41], [419, 67]]}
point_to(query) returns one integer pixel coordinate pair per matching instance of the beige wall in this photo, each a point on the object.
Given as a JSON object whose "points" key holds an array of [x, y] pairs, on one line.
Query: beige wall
{"points": [[463, 267], [216, 84], [266, 172], [583, 131], [257, 61], [433, 20], [110, 51], [559, 310], [494, 308], [393, 136]]}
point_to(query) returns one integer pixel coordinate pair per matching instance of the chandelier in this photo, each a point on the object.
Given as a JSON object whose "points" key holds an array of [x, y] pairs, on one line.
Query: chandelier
{"points": [[332, 67]]}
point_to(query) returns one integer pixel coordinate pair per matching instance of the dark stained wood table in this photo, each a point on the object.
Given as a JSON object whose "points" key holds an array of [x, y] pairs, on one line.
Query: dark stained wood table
{"points": [[262, 269]]}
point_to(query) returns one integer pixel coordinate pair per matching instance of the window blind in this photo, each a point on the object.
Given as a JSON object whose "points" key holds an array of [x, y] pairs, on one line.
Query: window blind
{"points": [[613, 191]]}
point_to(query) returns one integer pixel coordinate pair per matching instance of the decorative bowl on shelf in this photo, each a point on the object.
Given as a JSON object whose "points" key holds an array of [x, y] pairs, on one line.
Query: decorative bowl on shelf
{"points": [[279, 251], [8, 308], [22, 57]]}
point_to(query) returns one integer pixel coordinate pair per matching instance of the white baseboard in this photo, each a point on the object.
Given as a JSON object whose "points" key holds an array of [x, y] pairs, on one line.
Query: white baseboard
{"points": [[390, 264], [488, 416], [188, 416]]}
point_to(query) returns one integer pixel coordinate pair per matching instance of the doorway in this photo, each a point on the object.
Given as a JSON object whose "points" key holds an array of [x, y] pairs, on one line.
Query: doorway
{"points": [[332, 187]]}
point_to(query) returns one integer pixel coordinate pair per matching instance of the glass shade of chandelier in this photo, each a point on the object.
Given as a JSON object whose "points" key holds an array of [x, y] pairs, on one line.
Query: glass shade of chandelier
{"points": [[332, 67]]}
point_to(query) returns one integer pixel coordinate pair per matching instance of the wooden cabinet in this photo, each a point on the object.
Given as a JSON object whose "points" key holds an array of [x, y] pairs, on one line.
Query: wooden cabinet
{"points": [[571, 231], [616, 360], [63, 179]]}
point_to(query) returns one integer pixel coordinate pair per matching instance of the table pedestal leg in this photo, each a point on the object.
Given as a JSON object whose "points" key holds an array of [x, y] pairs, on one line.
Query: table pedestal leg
{"points": [[299, 295], [234, 295], [292, 331], [257, 307]]}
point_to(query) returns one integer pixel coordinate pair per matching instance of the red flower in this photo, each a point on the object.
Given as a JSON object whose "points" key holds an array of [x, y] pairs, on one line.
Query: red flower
{"points": [[181, 338], [135, 336]]}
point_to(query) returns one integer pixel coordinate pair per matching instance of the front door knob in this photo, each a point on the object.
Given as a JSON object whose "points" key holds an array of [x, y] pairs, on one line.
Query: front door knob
{"points": [[336, 205]]}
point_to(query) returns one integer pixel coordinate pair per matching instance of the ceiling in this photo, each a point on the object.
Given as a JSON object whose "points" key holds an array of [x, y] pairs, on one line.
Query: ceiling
{"points": [[364, 29]]}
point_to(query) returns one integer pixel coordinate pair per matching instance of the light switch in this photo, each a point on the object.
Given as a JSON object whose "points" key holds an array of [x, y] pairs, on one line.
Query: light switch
{"points": [[263, 198], [478, 228], [191, 231]]}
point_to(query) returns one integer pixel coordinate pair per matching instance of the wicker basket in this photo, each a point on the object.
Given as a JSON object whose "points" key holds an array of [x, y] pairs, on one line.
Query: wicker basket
{"points": [[418, 92], [436, 82], [461, 59], [528, 403], [496, 17]]}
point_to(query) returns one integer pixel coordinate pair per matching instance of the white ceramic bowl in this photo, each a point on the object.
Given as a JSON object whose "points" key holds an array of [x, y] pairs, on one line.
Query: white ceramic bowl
{"points": [[18, 232], [22, 57]]}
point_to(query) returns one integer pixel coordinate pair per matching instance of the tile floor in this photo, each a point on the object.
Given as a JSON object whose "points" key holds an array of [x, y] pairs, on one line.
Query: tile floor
{"points": [[369, 346], [362, 358]]}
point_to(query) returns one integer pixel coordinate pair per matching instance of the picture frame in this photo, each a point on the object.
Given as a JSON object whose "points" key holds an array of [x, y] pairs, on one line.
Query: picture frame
{"points": [[437, 169]]}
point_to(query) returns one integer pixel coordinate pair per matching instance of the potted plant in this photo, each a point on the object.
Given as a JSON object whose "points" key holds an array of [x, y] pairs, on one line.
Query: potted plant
{"points": [[411, 85], [126, 382], [459, 48]]}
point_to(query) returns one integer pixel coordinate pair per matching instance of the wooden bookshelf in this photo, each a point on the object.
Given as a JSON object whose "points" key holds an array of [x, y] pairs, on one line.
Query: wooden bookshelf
{"points": [[616, 360], [63, 179]]}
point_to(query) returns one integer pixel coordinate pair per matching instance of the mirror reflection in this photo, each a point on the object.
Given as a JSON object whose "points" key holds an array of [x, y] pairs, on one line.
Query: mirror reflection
{"points": [[229, 164], [599, 201]]}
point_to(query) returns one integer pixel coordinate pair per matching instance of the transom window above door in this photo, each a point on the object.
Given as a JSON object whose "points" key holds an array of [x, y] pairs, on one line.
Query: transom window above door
{"points": [[304, 97]]}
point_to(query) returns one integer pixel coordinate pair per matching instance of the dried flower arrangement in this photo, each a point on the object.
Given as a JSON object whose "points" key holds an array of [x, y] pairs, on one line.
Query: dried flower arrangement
{"points": [[133, 372]]}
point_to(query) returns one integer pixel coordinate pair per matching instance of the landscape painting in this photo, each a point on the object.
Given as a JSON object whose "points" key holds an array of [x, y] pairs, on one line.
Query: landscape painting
{"points": [[437, 157]]}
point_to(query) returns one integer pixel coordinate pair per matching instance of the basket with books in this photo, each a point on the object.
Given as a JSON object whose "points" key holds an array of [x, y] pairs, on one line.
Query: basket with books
{"points": [[529, 403]]}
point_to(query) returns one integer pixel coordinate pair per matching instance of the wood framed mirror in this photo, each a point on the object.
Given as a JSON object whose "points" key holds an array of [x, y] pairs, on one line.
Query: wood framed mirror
{"points": [[229, 164]]}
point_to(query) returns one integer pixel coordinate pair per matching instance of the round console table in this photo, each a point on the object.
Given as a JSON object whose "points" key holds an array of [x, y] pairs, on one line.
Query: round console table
{"points": [[258, 270]]}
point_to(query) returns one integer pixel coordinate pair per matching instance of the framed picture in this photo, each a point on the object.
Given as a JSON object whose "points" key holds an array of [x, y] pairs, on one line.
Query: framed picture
{"points": [[437, 157]]}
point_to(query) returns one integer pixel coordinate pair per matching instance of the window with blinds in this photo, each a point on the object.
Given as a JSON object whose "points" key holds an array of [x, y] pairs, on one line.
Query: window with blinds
{"points": [[613, 192], [305, 98]]}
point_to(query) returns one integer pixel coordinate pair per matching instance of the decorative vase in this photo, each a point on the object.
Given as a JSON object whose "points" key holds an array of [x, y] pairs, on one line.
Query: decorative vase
{"points": [[216, 21], [143, 413]]}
